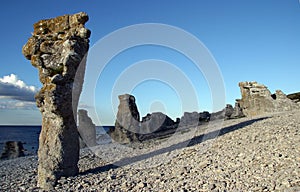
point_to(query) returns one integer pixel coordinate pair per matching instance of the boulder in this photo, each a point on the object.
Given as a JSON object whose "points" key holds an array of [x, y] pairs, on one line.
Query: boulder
{"points": [[58, 49], [257, 100], [86, 129], [127, 123], [12, 149]]}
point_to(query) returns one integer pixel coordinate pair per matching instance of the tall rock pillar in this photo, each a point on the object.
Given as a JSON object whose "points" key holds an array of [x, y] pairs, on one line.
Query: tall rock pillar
{"points": [[58, 50], [86, 129], [127, 123]]}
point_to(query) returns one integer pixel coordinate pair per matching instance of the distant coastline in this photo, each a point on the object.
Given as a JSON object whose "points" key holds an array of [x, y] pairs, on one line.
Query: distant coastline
{"points": [[29, 136]]}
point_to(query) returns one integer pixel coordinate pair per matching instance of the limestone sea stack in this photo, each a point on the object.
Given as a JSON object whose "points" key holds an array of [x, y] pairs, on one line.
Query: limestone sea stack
{"points": [[127, 122], [58, 48], [86, 129]]}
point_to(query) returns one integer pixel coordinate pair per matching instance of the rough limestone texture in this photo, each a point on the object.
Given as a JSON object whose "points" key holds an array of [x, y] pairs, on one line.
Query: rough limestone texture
{"points": [[58, 50], [12, 149], [127, 122], [86, 129], [258, 100]]}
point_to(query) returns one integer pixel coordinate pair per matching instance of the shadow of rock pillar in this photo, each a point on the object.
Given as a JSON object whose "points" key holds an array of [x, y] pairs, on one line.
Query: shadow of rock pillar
{"points": [[58, 49]]}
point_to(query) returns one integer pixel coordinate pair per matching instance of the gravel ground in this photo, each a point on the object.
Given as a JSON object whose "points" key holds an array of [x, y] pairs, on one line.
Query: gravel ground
{"points": [[259, 154]]}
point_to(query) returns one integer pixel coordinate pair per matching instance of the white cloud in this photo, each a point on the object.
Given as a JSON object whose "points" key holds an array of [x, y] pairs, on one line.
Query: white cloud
{"points": [[13, 88]]}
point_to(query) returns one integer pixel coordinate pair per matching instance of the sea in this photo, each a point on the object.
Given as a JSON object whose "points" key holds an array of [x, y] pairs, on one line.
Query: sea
{"points": [[29, 136]]}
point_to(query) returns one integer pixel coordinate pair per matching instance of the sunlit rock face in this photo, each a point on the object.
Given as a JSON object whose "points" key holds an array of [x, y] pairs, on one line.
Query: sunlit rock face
{"points": [[258, 100], [57, 48]]}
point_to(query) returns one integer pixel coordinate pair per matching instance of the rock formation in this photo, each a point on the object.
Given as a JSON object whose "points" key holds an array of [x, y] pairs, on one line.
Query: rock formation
{"points": [[12, 149], [155, 125], [127, 122], [190, 119], [237, 111], [156, 122], [228, 111], [233, 113], [257, 100], [86, 129], [194, 118], [58, 50]]}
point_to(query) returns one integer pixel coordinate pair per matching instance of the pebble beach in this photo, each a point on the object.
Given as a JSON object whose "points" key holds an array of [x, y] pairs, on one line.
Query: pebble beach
{"points": [[247, 154]]}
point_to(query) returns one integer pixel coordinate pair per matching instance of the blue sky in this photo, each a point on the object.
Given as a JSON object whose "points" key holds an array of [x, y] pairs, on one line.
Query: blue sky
{"points": [[249, 40]]}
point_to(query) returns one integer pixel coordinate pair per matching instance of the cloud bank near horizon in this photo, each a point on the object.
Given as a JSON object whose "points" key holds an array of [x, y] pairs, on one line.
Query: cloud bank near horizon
{"points": [[15, 94]]}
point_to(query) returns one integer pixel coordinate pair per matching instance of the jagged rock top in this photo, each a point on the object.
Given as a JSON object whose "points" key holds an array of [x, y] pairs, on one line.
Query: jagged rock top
{"points": [[57, 47], [59, 28], [60, 24], [257, 99], [253, 89]]}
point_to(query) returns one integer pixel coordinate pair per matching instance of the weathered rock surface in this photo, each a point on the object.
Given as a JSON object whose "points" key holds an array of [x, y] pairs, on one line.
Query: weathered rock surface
{"points": [[258, 100], [86, 129], [12, 149], [58, 50], [127, 122]]}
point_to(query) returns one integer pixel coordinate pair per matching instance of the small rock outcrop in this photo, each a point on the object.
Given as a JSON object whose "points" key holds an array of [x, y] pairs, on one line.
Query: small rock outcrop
{"points": [[156, 122], [233, 112], [228, 111], [194, 118], [127, 123], [58, 50], [12, 149], [156, 125], [257, 99], [86, 129], [237, 111]]}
